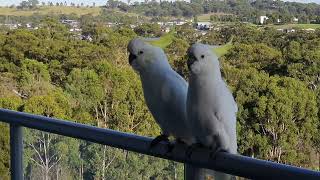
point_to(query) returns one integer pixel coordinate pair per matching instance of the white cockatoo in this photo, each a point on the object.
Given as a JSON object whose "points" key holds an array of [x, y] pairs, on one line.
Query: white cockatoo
{"points": [[165, 91], [211, 108]]}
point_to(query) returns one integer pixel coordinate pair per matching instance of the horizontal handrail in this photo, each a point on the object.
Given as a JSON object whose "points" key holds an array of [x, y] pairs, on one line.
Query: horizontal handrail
{"points": [[224, 162]]}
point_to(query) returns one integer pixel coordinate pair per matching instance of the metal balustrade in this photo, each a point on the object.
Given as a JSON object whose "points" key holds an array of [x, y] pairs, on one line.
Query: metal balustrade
{"points": [[229, 163]]}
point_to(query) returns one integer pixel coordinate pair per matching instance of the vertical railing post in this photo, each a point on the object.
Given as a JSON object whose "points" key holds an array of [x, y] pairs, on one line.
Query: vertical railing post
{"points": [[193, 173], [16, 150]]}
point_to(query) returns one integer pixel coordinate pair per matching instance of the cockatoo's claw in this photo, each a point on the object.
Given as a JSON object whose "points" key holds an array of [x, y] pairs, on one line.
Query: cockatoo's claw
{"points": [[179, 141], [158, 139], [189, 152], [190, 149], [170, 147], [215, 151]]}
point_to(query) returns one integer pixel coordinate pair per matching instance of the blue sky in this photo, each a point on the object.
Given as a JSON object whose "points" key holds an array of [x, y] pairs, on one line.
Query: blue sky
{"points": [[99, 2]]}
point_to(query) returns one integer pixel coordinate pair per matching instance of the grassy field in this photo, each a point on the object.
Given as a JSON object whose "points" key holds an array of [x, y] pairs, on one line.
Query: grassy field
{"points": [[303, 26], [51, 10], [206, 17]]}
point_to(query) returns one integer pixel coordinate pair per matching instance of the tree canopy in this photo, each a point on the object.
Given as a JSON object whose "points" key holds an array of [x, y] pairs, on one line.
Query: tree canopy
{"points": [[274, 77]]}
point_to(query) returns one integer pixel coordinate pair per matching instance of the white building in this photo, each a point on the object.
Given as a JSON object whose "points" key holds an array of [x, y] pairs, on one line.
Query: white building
{"points": [[132, 26], [179, 23], [28, 25], [72, 23], [165, 29], [170, 23], [290, 30], [161, 23], [110, 24], [204, 25], [75, 30], [295, 19], [12, 26], [263, 19]]}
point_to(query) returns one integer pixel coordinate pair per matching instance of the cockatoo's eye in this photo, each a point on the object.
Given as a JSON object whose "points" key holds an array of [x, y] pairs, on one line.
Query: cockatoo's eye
{"points": [[140, 52], [202, 56]]}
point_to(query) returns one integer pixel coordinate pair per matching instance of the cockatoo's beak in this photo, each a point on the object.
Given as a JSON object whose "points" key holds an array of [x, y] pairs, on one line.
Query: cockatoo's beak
{"points": [[191, 60], [132, 57]]}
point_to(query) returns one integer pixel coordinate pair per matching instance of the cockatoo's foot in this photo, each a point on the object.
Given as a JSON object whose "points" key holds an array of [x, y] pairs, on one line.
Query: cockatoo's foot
{"points": [[180, 141], [190, 149], [170, 148], [215, 151], [158, 139]]}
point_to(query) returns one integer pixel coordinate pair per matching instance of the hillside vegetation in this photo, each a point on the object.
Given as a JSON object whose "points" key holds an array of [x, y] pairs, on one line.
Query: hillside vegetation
{"points": [[303, 26], [225, 11], [54, 10]]}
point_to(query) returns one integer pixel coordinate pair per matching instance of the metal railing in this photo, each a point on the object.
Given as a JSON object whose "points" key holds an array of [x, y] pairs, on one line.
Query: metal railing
{"points": [[229, 163]]}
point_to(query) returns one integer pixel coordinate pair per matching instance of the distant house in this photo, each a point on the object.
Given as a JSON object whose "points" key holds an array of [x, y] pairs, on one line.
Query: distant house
{"points": [[286, 30], [263, 19], [29, 25], [165, 29], [132, 26], [179, 22], [87, 37], [75, 30], [189, 20], [12, 26], [166, 26], [68, 21], [295, 19], [170, 23], [110, 24], [289, 30], [72, 23], [161, 23], [204, 25]]}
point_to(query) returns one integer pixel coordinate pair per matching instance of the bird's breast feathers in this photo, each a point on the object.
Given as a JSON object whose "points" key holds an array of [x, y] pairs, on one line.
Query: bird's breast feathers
{"points": [[166, 92]]}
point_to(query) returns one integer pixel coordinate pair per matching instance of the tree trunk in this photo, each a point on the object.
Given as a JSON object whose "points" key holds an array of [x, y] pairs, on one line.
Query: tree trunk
{"points": [[175, 171], [97, 116], [57, 173], [81, 171], [46, 174], [104, 162], [80, 178]]}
